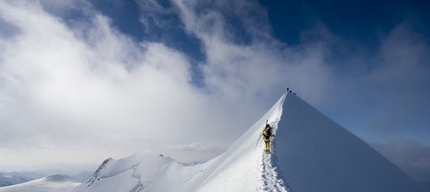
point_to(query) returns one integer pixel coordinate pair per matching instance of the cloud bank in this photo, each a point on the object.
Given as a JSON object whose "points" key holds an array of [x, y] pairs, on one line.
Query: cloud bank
{"points": [[88, 85], [410, 156], [73, 87]]}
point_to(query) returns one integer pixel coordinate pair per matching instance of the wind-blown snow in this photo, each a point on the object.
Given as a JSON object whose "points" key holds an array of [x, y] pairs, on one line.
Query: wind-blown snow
{"points": [[310, 153]]}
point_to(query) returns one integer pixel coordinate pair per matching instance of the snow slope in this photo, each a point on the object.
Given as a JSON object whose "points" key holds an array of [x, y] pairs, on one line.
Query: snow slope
{"points": [[243, 167], [314, 153], [310, 153], [53, 183]]}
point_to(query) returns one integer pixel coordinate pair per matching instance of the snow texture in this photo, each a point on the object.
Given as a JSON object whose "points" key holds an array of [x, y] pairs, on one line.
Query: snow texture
{"points": [[310, 153]]}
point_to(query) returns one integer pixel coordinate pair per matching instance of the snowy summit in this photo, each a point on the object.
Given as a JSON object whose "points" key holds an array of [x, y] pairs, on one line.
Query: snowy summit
{"points": [[309, 153]]}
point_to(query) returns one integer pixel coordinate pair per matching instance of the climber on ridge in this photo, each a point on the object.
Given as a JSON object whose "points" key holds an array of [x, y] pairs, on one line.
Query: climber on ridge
{"points": [[267, 133]]}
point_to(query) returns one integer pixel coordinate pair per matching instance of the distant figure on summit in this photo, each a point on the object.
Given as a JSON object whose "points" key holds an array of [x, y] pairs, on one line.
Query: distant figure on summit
{"points": [[267, 133]]}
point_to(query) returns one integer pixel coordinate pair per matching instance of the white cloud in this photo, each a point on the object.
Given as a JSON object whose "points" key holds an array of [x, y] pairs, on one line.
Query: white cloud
{"points": [[88, 86], [260, 67], [386, 95]]}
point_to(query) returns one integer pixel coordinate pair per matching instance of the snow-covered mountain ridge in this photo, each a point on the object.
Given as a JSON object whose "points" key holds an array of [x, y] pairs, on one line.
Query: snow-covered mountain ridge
{"points": [[310, 153], [243, 167]]}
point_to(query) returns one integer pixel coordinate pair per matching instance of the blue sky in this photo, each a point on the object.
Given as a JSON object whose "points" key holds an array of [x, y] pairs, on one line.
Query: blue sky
{"points": [[352, 30], [199, 73]]}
